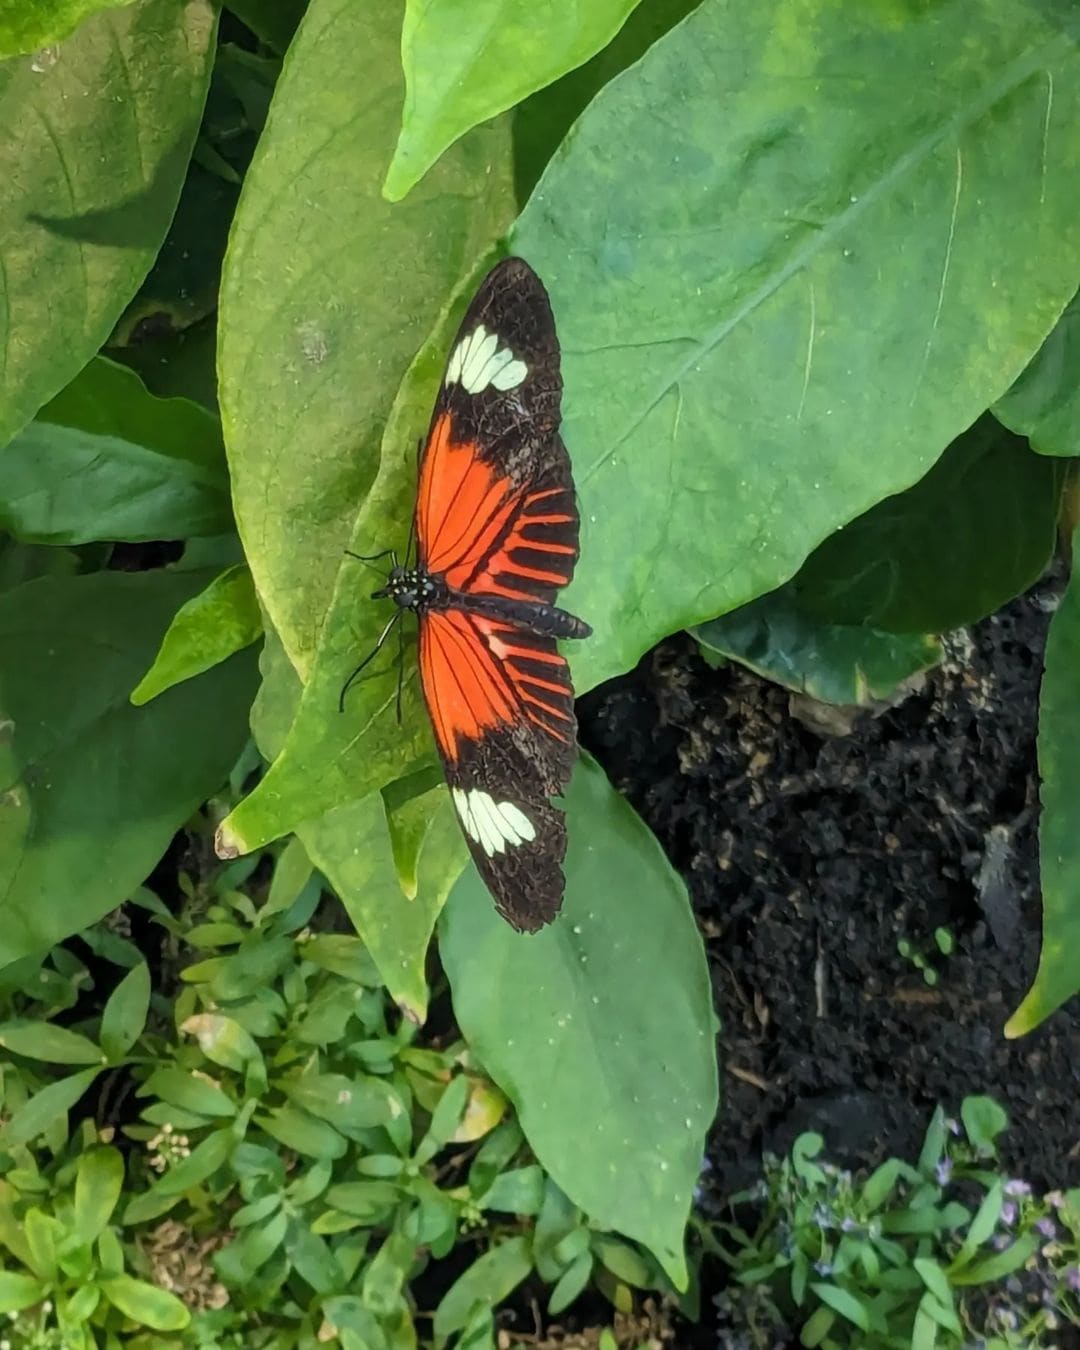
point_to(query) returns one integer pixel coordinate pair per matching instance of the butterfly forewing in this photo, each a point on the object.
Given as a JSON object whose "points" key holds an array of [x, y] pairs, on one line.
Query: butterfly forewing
{"points": [[497, 524]]}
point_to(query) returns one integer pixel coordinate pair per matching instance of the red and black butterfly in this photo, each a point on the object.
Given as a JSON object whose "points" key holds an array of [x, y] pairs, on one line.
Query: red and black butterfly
{"points": [[496, 530]]}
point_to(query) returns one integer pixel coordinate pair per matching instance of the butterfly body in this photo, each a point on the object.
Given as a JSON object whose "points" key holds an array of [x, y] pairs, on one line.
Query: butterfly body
{"points": [[496, 527]]}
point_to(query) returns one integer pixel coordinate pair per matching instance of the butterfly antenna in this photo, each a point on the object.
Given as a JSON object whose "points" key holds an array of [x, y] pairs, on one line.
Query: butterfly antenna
{"points": [[369, 558], [412, 522], [367, 659]]}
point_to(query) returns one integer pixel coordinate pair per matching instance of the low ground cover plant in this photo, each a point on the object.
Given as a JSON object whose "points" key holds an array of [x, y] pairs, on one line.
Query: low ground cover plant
{"points": [[948, 1251]]}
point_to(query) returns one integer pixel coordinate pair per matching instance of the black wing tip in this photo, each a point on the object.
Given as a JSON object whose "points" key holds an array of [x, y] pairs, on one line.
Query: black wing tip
{"points": [[530, 918]]}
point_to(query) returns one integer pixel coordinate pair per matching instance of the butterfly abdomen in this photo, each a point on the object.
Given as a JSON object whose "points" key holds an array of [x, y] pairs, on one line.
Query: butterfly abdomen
{"points": [[533, 616]]}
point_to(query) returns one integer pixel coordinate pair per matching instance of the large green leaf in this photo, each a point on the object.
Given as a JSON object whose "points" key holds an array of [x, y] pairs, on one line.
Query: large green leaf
{"points": [[837, 663], [600, 1027], [463, 66], [94, 139], [27, 25], [1044, 403], [105, 459], [328, 292], [92, 789], [780, 299], [1058, 976], [919, 562], [335, 751]]}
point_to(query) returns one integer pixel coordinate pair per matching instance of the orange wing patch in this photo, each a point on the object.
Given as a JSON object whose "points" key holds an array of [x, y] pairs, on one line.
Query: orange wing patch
{"points": [[485, 536], [461, 504], [481, 673]]}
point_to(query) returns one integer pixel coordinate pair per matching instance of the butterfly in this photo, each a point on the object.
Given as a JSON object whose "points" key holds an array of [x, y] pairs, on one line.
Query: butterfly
{"points": [[496, 533]]}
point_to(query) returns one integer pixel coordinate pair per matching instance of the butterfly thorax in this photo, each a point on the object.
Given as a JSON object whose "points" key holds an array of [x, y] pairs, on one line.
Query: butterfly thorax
{"points": [[413, 588]]}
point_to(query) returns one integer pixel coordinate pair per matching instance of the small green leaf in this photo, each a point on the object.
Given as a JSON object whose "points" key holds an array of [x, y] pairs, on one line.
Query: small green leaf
{"points": [[519, 1191], [998, 1266], [80, 1307], [190, 1091], [940, 1311], [345, 1103], [983, 1121], [925, 1329], [145, 1303], [249, 1252], [463, 67], [99, 1179], [623, 1261], [298, 1130], [370, 1201], [445, 1120], [124, 1014], [19, 1291], [982, 1225], [487, 1282], [293, 871], [805, 1148], [313, 1260], [207, 629], [935, 1280], [570, 1283], [42, 1231], [817, 1326], [43, 1040], [843, 1302], [386, 1273], [223, 1040], [933, 1147], [41, 1111], [410, 803], [879, 1185]]}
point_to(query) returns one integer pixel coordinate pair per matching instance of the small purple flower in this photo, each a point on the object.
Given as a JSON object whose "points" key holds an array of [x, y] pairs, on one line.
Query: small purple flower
{"points": [[1072, 1278], [1008, 1213], [1046, 1227], [1017, 1187], [823, 1267], [943, 1171], [848, 1225], [1000, 1242], [824, 1218], [1054, 1199]]}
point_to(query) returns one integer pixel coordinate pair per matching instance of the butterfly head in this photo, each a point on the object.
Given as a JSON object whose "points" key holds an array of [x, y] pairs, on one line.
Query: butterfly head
{"points": [[408, 587]]}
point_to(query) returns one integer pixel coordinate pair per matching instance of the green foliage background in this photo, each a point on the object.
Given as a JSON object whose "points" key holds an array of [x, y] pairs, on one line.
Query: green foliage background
{"points": [[814, 270]]}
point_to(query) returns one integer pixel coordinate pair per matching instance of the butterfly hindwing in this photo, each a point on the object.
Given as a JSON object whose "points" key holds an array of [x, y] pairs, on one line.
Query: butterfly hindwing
{"points": [[497, 522]]}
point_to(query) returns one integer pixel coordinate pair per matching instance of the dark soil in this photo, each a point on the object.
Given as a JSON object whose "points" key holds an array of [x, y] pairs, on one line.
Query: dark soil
{"points": [[809, 853]]}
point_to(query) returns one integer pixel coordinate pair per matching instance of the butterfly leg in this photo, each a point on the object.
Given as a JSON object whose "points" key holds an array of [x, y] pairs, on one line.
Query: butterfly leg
{"points": [[368, 659]]}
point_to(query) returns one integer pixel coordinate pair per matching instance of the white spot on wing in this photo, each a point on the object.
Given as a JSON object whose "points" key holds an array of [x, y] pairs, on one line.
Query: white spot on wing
{"points": [[491, 824], [478, 363]]}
